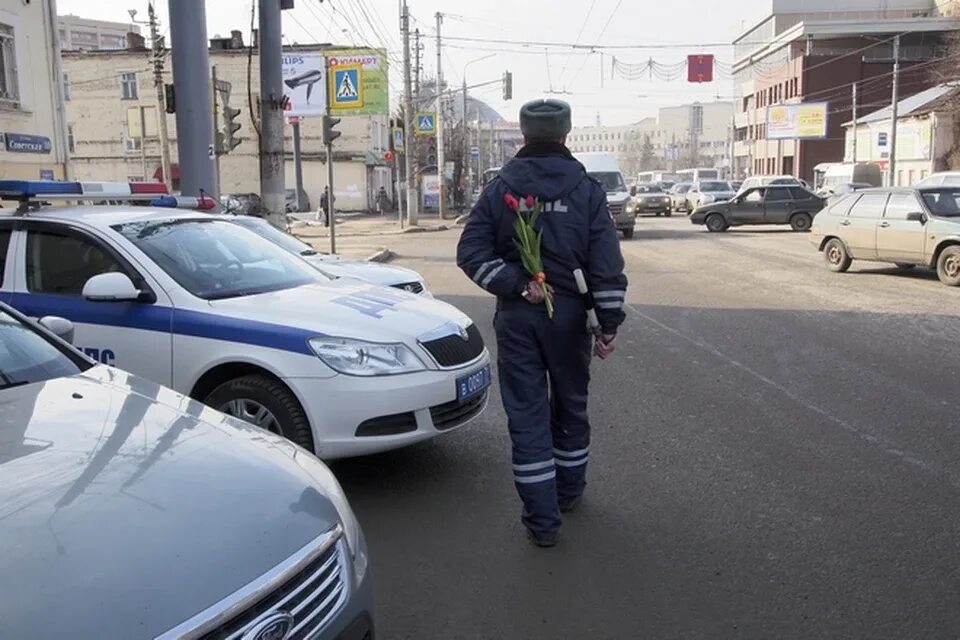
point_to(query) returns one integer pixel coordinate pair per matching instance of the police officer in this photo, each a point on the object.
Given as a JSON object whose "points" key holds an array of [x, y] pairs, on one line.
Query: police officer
{"points": [[544, 363]]}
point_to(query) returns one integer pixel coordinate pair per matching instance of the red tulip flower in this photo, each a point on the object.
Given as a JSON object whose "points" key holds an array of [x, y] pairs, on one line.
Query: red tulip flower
{"points": [[512, 203], [530, 201], [528, 242]]}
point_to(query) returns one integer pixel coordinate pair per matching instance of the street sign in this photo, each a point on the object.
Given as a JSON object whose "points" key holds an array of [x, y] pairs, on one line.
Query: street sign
{"points": [[427, 123], [398, 139], [475, 152], [292, 120], [346, 87]]}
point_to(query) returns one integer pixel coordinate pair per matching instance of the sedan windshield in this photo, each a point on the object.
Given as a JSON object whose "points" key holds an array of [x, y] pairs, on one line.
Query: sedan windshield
{"points": [[648, 188], [610, 180], [943, 202], [216, 259], [26, 356], [715, 186], [266, 230]]}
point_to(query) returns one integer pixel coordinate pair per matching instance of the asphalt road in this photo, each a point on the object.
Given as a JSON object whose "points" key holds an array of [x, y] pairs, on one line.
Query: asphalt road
{"points": [[776, 454]]}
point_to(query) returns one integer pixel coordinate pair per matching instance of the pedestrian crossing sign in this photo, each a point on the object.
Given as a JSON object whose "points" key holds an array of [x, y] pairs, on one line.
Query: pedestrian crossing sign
{"points": [[346, 86], [426, 123]]}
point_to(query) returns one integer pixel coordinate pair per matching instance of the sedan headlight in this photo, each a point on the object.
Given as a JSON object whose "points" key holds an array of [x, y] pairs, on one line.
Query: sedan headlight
{"points": [[360, 358], [631, 207]]}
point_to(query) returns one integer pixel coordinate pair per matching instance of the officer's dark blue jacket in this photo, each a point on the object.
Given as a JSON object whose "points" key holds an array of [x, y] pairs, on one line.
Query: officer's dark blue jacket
{"points": [[578, 232]]}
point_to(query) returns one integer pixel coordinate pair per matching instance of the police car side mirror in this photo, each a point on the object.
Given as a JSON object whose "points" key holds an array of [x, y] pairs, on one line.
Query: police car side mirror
{"points": [[60, 327], [110, 287]]}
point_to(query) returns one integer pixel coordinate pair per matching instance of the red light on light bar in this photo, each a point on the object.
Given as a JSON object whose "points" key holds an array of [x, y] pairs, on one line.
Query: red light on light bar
{"points": [[205, 203], [148, 188]]}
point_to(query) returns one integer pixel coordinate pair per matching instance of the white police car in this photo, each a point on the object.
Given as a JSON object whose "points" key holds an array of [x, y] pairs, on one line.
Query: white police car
{"points": [[332, 265], [211, 309]]}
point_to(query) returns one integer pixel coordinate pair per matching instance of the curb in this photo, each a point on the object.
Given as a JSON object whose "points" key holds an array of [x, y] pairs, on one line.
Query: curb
{"points": [[430, 229], [383, 255]]}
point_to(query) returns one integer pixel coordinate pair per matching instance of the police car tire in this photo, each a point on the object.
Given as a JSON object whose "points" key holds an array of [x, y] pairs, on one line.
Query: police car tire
{"points": [[273, 395]]}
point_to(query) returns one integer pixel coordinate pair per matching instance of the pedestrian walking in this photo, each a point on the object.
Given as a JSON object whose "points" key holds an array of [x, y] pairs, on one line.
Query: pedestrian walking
{"points": [[325, 206], [544, 346]]}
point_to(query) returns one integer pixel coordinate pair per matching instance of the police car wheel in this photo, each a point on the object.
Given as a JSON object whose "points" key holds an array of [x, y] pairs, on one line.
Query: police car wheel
{"points": [[266, 403]]}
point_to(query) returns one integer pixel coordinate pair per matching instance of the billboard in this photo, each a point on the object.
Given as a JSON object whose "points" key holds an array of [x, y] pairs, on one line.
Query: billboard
{"points": [[304, 79], [373, 80], [806, 120]]}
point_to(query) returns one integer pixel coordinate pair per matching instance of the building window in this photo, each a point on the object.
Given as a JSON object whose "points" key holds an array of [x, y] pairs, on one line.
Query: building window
{"points": [[131, 145], [128, 86], [71, 141], [66, 86], [9, 91]]}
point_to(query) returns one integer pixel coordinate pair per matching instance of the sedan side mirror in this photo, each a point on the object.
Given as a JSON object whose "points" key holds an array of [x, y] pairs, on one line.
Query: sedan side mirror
{"points": [[917, 216], [60, 327], [111, 287], [633, 191]]}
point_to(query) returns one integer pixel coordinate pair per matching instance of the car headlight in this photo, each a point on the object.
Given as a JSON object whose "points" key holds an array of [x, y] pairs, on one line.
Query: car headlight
{"points": [[631, 207], [360, 358], [707, 199]]}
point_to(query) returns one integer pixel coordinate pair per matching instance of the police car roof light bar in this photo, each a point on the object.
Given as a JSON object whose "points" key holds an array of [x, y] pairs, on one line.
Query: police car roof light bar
{"points": [[35, 191]]}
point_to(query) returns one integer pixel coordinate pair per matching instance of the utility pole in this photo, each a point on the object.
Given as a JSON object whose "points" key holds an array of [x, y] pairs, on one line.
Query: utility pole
{"points": [[892, 182], [465, 165], [409, 117], [441, 173], [143, 141], [191, 64], [854, 108], [272, 158], [158, 54]]}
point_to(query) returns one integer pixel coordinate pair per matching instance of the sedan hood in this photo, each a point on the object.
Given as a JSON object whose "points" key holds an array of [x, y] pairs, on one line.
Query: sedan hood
{"points": [[348, 308], [126, 508], [382, 274]]}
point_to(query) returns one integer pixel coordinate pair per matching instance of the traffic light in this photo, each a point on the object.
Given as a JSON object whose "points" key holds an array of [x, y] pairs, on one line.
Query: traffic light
{"points": [[329, 133], [230, 128], [169, 98], [507, 85]]}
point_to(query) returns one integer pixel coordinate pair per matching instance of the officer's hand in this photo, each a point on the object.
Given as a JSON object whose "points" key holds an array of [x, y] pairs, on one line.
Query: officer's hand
{"points": [[604, 346], [534, 294]]}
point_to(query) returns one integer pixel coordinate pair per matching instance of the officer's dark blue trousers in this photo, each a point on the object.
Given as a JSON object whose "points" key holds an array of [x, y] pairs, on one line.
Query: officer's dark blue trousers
{"points": [[544, 369]]}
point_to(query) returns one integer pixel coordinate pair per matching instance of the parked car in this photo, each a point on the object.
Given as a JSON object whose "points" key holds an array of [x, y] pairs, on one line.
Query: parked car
{"points": [[847, 188], [117, 494], [709, 191], [333, 266], [942, 179], [290, 204], [196, 302], [795, 206], [908, 227], [835, 174], [243, 204], [648, 198], [766, 181], [678, 196], [603, 168]]}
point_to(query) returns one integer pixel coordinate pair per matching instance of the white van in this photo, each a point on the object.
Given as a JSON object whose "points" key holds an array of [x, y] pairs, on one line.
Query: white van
{"points": [[840, 174], [603, 168]]}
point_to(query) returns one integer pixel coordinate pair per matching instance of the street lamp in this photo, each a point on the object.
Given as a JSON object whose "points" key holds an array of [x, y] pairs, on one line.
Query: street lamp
{"points": [[466, 137]]}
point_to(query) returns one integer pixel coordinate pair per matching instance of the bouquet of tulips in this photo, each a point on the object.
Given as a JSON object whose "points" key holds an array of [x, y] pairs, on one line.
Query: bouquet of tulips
{"points": [[528, 242]]}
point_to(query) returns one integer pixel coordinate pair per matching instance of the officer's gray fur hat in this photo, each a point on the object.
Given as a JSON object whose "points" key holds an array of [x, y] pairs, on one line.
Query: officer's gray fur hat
{"points": [[545, 119]]}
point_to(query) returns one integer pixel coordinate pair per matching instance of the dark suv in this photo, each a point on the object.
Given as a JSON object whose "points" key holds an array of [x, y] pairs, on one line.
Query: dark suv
{"points": [[791, 205]]}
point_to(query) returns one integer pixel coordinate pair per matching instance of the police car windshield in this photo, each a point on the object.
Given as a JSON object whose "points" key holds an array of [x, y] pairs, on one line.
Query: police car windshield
{"points": [[216, 259], [609, 180], [266, 230], [26, 356]]}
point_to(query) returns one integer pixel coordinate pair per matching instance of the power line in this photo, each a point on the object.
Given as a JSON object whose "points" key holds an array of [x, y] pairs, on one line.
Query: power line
{"points": [[579, 35]]}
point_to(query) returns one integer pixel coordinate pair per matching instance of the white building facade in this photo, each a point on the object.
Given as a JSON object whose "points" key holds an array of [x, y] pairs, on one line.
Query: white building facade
{"points": [[33, 134]]}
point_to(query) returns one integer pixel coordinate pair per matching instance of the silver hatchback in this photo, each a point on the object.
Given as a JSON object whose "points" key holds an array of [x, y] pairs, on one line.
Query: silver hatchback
{"points": [[908, 227]]}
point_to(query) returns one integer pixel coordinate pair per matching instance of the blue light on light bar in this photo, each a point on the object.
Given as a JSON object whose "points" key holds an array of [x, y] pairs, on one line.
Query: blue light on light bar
{"points": [[164, 201], [34, 188]]}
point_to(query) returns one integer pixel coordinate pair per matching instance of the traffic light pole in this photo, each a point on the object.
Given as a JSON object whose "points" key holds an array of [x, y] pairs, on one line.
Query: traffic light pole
{"points": [[297, 160], [271, 113], [408, 117], [441, 173], [191, 61], [218, 147]]}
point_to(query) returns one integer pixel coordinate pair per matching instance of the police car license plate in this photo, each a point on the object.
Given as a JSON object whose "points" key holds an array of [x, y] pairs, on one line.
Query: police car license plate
{"points": [[473, 384]]}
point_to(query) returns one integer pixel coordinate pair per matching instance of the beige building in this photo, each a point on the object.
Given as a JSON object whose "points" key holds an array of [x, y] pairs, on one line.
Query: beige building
{"points": [[673, 134], [108, 89], [32, 127], [83, 33]]}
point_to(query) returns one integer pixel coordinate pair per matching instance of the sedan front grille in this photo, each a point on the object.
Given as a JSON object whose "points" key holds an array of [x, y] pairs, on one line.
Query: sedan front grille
{"points": [[615, 209], [453, 414], [313, 596], [453, 350], [412, 287]]}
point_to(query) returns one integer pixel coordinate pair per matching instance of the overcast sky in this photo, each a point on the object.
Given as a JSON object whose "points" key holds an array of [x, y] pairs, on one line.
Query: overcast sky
{"points": [[664, 31]]}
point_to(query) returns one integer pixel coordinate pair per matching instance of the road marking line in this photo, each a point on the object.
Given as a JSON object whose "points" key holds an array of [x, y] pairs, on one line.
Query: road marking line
{"points": [[886, 446]]}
